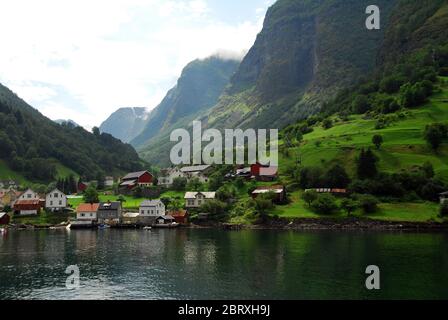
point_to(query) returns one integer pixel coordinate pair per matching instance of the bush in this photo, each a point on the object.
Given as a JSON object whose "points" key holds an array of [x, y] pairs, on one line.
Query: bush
{"points": [[310, 196], [214, 207], [179, 184], [368, 203], [327, 124], [349, 205], [324, 204]]}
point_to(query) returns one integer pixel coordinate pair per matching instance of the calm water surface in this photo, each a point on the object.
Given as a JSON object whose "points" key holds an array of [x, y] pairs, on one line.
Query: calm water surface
{"points": [[216, 264]]}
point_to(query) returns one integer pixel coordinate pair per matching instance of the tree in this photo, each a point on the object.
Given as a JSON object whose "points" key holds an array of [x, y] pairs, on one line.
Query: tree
{"points": [[327, 124], [194, 184], [435, 134], [215, 182], [444, 210], [179, 184], [121, 199], [91, 195], [377, 140], [349, 205], [325, 204], [360, 104], [213, 207], [368, 203], [366, 164], [96, 131], [337, 177], [428, 169], [309, 196]]}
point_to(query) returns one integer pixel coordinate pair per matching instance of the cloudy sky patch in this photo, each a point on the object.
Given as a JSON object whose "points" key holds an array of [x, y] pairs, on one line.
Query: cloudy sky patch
{"points": [[84, 59]]}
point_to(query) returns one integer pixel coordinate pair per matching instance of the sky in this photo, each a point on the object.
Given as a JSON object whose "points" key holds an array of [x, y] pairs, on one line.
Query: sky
{"points": [[84, 59]]}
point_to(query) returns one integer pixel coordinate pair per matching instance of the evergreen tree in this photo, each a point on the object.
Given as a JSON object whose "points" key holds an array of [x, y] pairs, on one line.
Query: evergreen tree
{"points": [[367, 164]]}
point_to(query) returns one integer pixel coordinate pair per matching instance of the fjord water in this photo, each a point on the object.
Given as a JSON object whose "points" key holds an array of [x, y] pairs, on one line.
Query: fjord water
{"points": [[216, 264]]}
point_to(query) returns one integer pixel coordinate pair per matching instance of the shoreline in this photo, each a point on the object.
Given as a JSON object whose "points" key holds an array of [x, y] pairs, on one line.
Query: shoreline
{"points": [[349, 223]]}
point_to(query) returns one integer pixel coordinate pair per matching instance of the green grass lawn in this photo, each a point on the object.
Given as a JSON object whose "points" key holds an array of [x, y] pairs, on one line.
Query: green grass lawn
{"points": [[44, 218], [411, 212]]}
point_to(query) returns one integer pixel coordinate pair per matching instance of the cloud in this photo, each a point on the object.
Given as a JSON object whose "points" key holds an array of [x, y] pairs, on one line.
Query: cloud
{"points": [[84, 59]]}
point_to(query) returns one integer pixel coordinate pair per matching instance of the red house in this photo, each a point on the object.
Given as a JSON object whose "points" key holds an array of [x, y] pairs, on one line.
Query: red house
{"points": [[263, 173], [180, 216], [134, 179]]}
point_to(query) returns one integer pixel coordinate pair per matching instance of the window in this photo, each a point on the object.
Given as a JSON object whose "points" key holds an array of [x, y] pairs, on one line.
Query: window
{"points": [[29, 195], [83, 214], [142, 211], [51, 203], [55, 195], [60, 202]]}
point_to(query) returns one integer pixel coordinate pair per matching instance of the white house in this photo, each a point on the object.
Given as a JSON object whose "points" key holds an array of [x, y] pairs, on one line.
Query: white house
{"points": [[152, 208], [200, 172], [108, 181], [167, 176], [56, 200], [29, 195], [87, 212], [196, 199]]}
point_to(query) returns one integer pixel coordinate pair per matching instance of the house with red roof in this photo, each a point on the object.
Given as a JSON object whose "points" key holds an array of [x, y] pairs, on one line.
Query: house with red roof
{"points": [[87, 212], [263, 173], [27, 207]]}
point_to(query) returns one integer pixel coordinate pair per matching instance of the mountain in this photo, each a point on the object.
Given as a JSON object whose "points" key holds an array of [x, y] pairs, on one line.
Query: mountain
{"points": [[37, 148], [125, 123], [201, 83], [67, 122]]}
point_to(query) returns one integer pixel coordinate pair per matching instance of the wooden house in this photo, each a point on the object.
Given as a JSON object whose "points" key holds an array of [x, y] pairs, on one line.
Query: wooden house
{"points": [[29, 194], [109, 212], [180, 216], [55, 200], [87, 212], [197, 199], [27, 207], [263, 173], [134, 179], [279, 191]]}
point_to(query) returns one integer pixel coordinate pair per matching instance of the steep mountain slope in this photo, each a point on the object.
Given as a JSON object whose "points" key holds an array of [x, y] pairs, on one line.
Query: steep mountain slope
{"points": [[306, 52], [35, 146], [198, 89], [125, 123]]}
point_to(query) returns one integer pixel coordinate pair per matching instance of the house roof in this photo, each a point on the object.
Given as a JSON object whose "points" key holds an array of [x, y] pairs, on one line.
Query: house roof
{"points": [[179, 213], [88, 207], [56, 190], [27, 202], [134, 175], [266, 189], [109, 206], [128, 183], [443, 193], [2, 214], [166, 217], [150, 203], [192, 195], [195, 168]]}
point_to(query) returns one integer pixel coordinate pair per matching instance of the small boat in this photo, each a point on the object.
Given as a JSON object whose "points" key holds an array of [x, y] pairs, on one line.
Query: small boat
{"points": [[103, 226], [147, 228], [166, 225]]}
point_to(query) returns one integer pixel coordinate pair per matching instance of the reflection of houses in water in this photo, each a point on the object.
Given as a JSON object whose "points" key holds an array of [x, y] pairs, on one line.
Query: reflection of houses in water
{"points": [[85, 240]]}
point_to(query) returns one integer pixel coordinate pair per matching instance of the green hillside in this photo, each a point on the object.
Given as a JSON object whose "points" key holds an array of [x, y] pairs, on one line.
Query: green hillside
{"points": [[404, 146]]}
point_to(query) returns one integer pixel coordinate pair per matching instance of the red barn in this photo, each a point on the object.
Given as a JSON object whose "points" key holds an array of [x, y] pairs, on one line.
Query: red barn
{"points": [[27, 207], [180, 216], [141, 178]]}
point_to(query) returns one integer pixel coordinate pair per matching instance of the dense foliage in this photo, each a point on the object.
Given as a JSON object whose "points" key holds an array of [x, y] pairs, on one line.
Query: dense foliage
{"points": [[29, 142]]}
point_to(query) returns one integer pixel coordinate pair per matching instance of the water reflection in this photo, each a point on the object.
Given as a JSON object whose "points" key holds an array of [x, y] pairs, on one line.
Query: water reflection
{"points": [[215, 264]]}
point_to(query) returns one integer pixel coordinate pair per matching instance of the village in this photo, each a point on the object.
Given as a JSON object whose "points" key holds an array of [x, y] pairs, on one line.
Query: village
{"points": [[154, 211]]}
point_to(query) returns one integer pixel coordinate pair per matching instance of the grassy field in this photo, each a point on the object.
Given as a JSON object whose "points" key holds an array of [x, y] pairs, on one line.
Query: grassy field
{"points": [[44, 218], [6, 173], [403, 148]]}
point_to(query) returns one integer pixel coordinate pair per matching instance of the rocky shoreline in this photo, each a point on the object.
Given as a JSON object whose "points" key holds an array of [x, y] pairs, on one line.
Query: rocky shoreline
{"points": [[331, 224], [352, 223]]}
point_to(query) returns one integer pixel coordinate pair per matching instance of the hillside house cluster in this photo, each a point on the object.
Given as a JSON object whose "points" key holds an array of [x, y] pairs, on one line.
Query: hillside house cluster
{"points": [[257, 172], [201, 172]]}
